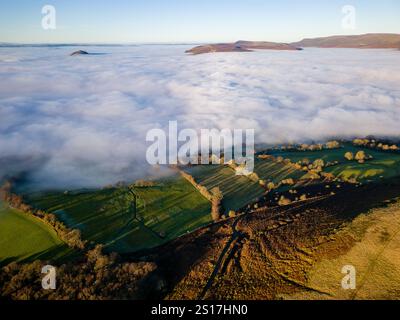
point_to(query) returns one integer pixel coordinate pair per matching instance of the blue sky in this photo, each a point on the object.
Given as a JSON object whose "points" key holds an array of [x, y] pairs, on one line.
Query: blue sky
{"points": [[176, 21]]}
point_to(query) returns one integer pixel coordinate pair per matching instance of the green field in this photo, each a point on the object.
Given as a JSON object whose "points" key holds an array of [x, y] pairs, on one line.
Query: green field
{"points": [[274, 171], [238, 191], [172, 206], [25, 238], [168, 210], [383, 165]]}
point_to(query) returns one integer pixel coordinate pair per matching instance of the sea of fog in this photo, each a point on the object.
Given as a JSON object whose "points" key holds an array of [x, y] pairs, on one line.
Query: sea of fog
{"points": [[82, 120]]}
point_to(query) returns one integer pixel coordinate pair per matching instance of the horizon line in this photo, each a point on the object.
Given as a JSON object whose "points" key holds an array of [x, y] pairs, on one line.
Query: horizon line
{"points": [[5, 43]]}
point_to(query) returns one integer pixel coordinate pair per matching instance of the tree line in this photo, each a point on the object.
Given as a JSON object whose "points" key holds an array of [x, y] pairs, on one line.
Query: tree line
{"points": [[72, 237], [215, 196]]}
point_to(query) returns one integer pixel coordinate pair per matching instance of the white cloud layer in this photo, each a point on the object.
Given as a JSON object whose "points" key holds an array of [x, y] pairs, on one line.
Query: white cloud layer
{"points": [[83, 120]]}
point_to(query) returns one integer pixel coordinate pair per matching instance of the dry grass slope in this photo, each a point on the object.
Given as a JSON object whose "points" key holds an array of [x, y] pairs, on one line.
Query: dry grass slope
{"points": [[375, 239]]}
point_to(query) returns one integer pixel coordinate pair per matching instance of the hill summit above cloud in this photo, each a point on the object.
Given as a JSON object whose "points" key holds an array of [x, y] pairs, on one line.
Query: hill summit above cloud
{"points": [[365, 41]]}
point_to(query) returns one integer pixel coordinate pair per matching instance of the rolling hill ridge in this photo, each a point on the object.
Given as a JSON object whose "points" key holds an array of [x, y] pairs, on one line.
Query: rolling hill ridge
{"points": [[364, 41]]}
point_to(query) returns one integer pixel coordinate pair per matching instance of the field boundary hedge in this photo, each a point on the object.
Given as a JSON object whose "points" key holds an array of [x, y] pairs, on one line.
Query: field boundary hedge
{"points": [[72, 237]]}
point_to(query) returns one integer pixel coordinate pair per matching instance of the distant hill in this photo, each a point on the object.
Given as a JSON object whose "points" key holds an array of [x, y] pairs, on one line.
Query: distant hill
{"points": [[367, 41], [79, 53], [241, 46]]}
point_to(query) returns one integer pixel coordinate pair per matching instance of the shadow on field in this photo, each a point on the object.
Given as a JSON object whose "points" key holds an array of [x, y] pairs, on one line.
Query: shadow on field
{"points": [[9, 260], [56, 254]]}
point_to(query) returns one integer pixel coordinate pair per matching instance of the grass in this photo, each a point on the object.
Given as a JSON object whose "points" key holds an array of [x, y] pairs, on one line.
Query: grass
{"points": [[273, 171], [238, 191], [173, 207], [383, 165], [373, 240], [26, 238], [168, 210]]}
